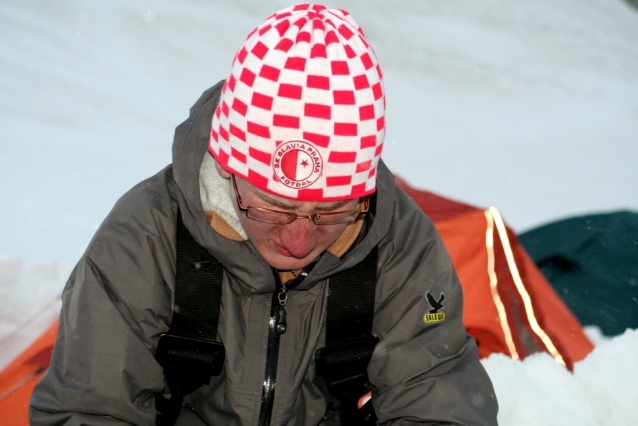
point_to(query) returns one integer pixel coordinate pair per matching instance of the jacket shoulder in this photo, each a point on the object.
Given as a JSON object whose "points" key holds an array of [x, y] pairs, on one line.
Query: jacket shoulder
{"points": [[137, 238], [157, 193]]}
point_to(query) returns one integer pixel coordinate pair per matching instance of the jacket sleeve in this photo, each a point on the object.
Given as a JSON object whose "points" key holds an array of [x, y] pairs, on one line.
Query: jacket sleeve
{"points": [[425, 368], [115, 305]]}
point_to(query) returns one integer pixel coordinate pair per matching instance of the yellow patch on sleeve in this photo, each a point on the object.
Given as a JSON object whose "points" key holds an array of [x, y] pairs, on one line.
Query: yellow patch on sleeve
{"points": [[438, 317]]}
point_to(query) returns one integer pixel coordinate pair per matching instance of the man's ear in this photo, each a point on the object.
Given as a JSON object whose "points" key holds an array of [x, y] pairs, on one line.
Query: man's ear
{"points": [[222, 171]]}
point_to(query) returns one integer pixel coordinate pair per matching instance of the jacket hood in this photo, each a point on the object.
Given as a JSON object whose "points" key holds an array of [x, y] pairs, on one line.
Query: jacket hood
{"points": [[240, 258]]}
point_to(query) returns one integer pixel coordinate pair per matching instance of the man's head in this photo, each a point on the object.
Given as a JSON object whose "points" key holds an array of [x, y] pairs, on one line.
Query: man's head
{"points": [[300, 124], [292, 245]]}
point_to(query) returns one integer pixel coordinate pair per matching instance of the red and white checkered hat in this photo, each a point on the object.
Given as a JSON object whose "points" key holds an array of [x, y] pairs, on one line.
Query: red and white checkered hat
{"points": [[302, 114]]}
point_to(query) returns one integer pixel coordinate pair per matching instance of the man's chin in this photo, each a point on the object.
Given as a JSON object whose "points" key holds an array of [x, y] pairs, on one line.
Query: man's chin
{"points": [[279, 258], [287, 263]]}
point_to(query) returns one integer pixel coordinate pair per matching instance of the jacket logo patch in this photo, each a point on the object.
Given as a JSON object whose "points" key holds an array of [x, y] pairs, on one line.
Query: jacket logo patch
{"points": [[433, 314]]}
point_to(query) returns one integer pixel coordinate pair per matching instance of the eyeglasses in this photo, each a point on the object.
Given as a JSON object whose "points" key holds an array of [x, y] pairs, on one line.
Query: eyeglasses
{"points": [[279, 217]]}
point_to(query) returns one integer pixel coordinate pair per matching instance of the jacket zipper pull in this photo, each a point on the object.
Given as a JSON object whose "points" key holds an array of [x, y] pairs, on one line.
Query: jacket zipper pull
{"points": [[280, 322]]}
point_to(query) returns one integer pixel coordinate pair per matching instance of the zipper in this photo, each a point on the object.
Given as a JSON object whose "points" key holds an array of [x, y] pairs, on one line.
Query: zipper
{"points": [[277, 327], [272, 355]]}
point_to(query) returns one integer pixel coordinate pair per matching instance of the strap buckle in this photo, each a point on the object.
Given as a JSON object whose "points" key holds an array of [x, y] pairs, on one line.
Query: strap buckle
{"points": [[344, 367], [184, 353]]}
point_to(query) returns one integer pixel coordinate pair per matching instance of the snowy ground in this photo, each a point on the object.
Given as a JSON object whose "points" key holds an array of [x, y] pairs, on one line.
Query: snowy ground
{"points": [[601, 391], [31, 302], [530, 106]]}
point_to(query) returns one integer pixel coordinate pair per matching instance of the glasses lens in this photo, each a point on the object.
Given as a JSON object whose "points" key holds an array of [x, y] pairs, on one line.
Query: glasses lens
{"points": [[335, 218], [269, 216]]}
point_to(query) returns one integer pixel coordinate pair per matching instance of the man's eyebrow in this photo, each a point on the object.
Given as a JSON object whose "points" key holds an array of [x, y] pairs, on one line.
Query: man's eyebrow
{"points": [[269, 199], [332, 207]]}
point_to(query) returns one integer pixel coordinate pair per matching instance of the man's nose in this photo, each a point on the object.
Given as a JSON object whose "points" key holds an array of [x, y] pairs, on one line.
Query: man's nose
{"points": [[299, 237]]}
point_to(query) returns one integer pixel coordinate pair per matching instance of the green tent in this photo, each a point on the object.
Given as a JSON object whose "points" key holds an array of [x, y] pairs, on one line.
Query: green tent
{"points": [[592, 262]]}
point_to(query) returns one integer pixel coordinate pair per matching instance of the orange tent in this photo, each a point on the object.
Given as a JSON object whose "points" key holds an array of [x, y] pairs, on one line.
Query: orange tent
{"points": [[509, 306], [18, 379]]}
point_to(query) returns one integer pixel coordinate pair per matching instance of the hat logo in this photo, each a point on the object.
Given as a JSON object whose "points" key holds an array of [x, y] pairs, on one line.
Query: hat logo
{"points": [[297, 163]]}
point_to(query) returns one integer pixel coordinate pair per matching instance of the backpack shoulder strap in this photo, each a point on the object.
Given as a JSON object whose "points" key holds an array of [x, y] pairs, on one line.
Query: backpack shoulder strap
{"points": [[343, 362], [189, 352]]}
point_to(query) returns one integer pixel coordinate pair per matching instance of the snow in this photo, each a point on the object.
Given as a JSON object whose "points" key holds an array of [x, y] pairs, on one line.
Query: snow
{"points": [[601, 391], [31, 302], [530, 106]]}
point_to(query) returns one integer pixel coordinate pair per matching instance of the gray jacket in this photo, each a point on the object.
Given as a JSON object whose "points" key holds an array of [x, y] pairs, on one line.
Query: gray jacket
{"points": [[118, 301]]}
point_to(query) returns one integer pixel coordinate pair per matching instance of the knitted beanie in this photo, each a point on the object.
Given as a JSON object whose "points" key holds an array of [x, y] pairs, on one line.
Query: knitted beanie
{"points": [[302, 114]]}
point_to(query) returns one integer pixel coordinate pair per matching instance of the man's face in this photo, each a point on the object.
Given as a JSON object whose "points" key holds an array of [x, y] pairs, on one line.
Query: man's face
{"points": [[295, 245]]}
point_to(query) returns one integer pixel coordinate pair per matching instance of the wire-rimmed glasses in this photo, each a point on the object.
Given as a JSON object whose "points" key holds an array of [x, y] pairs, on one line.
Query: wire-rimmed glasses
{"points": [[279, 217]]}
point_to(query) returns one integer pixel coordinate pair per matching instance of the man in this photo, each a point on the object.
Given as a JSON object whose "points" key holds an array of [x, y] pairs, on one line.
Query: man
{"points": [[285, 188]]}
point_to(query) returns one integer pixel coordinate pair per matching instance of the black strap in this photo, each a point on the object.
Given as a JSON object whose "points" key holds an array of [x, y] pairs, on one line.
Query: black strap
{"points": [[351, 303], [349, 341], [188, 352], [198, 289]]}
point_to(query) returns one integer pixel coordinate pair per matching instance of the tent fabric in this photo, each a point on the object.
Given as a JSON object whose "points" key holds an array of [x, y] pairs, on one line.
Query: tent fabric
{"points": [[509, 307], [18, 379], [592, 262]]}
